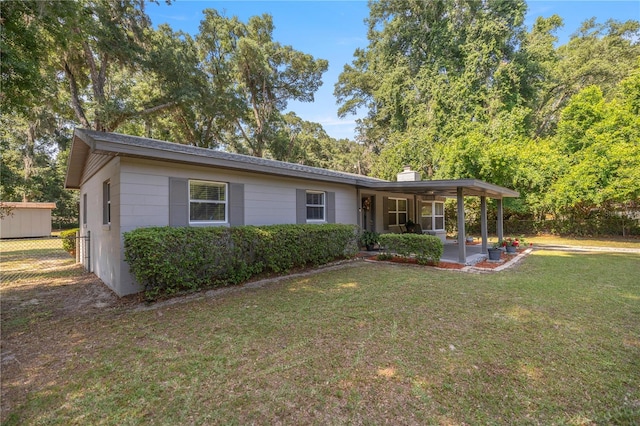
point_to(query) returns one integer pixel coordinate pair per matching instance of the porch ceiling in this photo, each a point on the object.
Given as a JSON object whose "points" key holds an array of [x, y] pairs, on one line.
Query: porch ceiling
{"points": [[444, 188]]}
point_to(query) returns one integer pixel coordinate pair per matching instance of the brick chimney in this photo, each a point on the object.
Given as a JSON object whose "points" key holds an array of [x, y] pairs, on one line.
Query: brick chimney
{"points": [[408, 175]]}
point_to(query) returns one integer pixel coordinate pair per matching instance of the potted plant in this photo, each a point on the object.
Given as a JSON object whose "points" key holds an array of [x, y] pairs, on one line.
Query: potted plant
{"points": [[369, 239], [495, 251], [511, 245]]}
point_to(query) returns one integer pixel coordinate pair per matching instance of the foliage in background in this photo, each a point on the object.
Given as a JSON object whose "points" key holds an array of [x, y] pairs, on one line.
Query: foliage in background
{"points": [[455, 89], [464, 90], [168, 260], [427, 249], [69, 239]]}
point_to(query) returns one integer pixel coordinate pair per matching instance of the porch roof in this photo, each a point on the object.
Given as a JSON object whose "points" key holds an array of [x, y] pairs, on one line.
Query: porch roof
{"points": [[444, 188]]}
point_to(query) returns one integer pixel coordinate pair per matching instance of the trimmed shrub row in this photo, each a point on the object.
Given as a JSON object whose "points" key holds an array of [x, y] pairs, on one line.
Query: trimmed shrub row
{"points": [[426, 248], [168, 260]]}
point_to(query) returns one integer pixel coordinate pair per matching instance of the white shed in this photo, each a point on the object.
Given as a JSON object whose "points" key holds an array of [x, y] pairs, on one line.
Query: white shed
{"points": [[26, 220]]}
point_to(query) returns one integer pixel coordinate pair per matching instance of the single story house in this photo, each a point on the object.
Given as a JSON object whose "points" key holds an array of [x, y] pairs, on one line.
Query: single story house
{"points": [[26, 220], [127, 182]]}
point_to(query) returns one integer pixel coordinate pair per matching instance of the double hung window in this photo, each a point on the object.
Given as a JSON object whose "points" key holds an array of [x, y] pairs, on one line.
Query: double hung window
{"points": [[207, 202], [316, 206], [432, 215]]}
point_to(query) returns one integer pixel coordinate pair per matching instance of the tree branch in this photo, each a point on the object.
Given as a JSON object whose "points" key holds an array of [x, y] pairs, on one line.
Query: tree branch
{"points": [[75, 98], [124, 116], [98, 89]]}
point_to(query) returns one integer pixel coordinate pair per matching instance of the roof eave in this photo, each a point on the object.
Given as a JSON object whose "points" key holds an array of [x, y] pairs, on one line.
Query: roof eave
{"points": [[80, 148]]}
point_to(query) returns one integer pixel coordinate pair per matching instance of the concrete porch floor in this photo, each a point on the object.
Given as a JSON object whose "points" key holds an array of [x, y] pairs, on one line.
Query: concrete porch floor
{"points": [[474, 253]]}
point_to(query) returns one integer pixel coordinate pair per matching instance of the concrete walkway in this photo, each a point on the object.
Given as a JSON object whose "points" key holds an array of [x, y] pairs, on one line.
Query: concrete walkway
{"points": [[563, 247]]}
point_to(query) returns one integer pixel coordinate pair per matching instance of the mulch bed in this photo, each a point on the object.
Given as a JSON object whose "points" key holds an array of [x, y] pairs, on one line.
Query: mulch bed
{"points": [[485, 264], [412, 261]]}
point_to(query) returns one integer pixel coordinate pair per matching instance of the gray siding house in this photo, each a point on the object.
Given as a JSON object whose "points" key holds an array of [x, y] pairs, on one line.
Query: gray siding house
{"points": [[127, 182]]}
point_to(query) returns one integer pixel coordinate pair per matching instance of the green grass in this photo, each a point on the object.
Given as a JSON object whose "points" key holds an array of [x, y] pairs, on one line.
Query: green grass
{"points": [[18, 257], [555, 340]]}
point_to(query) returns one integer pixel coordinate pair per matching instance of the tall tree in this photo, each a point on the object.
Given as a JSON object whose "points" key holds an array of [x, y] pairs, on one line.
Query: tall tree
{"points": [[431, 66], [244, 61], [597, 54]]}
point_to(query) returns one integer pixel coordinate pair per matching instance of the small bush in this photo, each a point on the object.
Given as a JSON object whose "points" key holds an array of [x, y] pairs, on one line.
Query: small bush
{"points": [[426, 248], [168, 260], [69, 239]]}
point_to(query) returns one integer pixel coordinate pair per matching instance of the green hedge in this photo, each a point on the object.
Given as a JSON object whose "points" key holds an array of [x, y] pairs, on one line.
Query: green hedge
{"points": [[426, 248], [168, 260], [69, 239]]}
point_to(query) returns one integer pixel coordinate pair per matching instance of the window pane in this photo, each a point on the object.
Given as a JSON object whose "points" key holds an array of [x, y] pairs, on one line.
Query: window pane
{"points": [[391, 205], [315, 213], [207, 191], [402, 218], [207, 212], [427, 223], [392, 219], [440, 209], [402, 206], [427, 209], [315, 198], [439, 223]]}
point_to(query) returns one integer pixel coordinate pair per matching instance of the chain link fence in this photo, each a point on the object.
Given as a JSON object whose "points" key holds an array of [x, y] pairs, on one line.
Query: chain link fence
{"points": [[31, 259]]}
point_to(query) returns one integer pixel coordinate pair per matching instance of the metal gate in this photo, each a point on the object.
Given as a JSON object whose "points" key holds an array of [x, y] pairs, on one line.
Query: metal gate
{"points": [[83, 250]]}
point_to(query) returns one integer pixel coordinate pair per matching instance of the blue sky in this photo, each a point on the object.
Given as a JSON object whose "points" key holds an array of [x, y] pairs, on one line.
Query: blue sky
{"points": [[333, 29]]}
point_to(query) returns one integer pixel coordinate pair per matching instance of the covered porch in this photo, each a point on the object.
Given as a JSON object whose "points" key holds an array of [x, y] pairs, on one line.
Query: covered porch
{"points": [[458, 189]]}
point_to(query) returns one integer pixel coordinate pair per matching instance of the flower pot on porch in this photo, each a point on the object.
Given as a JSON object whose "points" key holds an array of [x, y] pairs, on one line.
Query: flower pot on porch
{"points": [[494, 253], [511, 249]]}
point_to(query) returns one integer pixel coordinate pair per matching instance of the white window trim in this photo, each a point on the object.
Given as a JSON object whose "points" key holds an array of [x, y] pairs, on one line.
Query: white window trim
{"points": [[397, 212], [225, 202], [433, 215], [323, 205]]}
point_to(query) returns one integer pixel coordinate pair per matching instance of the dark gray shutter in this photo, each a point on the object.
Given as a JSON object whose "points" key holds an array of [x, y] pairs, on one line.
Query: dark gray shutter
{"points": [[178, 202], [301, 206], [385, 213], [330, 205], [236, 204]]}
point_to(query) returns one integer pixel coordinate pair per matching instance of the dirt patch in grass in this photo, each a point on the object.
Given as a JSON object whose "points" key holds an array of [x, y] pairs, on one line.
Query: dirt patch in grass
{"points": [[41, 320]]}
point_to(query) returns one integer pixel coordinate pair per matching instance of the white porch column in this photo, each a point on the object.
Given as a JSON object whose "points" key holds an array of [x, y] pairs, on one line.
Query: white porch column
{"points": [[483, 223], [462, 248], [500, 222]]}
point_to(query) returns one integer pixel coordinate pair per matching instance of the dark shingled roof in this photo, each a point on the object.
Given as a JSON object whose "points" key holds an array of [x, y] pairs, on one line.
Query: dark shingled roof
{"points": [[115, 144], [244, 162]]}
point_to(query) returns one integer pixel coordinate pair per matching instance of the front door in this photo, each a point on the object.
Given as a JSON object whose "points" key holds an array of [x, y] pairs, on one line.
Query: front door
{"points": [[367, 205]]}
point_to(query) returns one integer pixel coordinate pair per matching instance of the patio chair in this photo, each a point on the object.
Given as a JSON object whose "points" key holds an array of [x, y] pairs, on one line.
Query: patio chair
{"points": [[417, 229]]}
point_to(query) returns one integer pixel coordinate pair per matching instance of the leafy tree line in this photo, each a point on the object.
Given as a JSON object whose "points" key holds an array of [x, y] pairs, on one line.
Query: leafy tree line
{"points": [[461, 89], [99, 64], [454, 88]]}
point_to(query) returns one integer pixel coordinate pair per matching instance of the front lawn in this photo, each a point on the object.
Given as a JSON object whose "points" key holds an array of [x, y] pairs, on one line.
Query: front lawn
{"points": [[555, 340]]}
